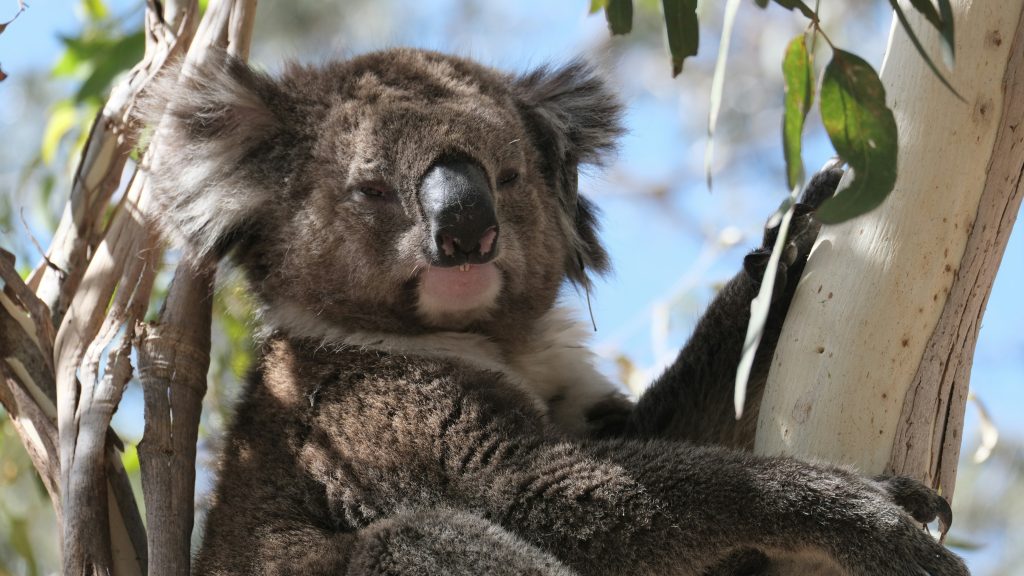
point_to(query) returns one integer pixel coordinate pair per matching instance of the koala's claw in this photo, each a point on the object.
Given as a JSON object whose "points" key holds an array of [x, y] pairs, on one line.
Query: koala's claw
{"points": [[922, 503], [756, 263], [909, 549], [823, 185], [803, 230]]}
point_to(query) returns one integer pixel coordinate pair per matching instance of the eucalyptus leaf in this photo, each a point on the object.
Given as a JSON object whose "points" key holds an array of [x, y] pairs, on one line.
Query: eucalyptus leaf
{"points": [[82, 54], [928, 10], [683, 31], [620, 16], [798, 76], [718, 83], [948, 33], [121, 55], [63, 118], [863, 131], [942, 22], [761, 304], [95, 9], [920, 48]]}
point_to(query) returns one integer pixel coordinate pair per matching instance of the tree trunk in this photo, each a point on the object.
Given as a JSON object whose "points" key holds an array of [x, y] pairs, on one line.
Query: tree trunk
{"points": [[873, 364]]}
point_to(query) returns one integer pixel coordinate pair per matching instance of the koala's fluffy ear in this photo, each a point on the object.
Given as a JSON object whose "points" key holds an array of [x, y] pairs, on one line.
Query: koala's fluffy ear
{"points": [[209, 123], [575, 119]]}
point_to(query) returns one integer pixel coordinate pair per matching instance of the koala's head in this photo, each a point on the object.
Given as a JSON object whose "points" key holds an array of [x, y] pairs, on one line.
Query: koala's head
{"points": [[401, 191]]}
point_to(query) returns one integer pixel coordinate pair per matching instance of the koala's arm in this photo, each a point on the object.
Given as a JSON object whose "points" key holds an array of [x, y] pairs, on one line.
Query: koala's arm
{"points": [[654, 507], [724, 500], [693, 399], [371, 462]]}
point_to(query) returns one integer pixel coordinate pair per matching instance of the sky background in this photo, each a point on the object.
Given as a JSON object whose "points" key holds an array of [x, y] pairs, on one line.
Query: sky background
{"points": [[671, 240]]}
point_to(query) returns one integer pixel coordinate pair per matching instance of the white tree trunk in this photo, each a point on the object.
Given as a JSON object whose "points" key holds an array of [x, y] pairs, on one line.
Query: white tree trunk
{"points": [[873, 364]]}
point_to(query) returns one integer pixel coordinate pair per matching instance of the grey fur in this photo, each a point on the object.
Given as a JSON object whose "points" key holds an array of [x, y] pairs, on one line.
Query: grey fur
{"points": [[379, 437]]}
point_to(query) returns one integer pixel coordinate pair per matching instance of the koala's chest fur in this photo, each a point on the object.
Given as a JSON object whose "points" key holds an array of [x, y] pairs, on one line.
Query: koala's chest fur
{"points": [[552, 371], [365, 420]]}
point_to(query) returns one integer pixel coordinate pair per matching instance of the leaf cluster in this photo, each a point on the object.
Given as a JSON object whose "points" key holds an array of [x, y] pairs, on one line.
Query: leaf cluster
{"points": [[854, 112], [852, 99]]}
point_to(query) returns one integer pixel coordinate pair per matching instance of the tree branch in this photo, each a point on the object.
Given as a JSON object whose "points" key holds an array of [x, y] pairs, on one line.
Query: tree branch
{"points": [[941, 383], [906, 284], [174, 354]]}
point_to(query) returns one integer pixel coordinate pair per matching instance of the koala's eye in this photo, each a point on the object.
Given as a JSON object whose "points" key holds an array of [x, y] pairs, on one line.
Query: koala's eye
{"points": [[508, 177], [371, 191]]}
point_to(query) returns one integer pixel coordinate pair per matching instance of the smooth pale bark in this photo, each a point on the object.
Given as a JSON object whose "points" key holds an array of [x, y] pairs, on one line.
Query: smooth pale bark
{"points": [[874, 361]]}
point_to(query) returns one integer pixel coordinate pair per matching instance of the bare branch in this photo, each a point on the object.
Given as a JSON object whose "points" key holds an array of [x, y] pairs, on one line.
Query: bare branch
{"points": [[174, 357], [27, 389], [96, 264], [103, 159], [174, 354]]}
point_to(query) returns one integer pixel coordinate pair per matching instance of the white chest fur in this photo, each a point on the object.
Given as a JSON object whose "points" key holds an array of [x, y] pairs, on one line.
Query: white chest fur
{"points": [[553, 365]]}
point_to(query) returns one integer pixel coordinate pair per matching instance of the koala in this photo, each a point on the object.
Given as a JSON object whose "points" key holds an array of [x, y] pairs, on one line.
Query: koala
{"points": [[421, 403]]}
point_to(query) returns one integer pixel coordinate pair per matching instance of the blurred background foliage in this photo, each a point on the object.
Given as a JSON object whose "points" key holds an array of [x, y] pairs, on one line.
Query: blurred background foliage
{"points": [[671, 240]]}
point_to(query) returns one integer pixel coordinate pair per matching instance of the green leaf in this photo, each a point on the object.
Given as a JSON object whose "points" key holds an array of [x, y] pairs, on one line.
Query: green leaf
{"points": [[927, 9], [620, 16], [942, 22], [21, 541], [122, 55], [718, 83], [863, 132], [76, 58], [95, 9], [948, 35], [799, 85], [82, 54], [597, 5], [63, 118], [761, 3], [762, 303], [920, 49], [683, 31], [130, 459]]}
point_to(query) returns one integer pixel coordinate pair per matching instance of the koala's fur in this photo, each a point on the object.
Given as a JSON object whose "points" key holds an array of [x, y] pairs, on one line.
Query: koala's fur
{"points": [[385, 432]]}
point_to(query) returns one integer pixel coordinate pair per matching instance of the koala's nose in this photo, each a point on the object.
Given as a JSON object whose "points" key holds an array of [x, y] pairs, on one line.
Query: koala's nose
{"points": [[459, 208]]}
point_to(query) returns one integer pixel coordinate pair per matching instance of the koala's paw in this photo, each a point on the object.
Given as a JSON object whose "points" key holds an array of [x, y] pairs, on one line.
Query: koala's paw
{"points": [[913, 551], [901, 546], [803, 230], [922, 503]]}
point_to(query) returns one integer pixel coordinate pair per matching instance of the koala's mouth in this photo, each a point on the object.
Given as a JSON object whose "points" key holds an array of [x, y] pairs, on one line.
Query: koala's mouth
{"points": [[458, 289]]}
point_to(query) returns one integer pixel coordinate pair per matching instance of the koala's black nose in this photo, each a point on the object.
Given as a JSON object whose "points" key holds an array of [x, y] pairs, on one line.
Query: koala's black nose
{"points": [[459, 208]]}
